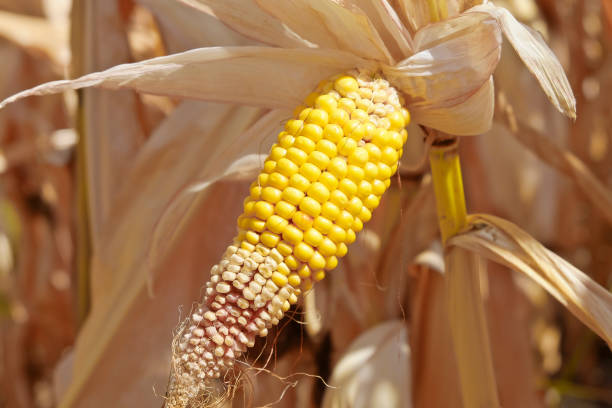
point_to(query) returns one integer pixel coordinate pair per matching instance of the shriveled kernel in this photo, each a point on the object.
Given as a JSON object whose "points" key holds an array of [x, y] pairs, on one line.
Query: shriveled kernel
{"points": [[302, 220], [310, 206], [303, 251], [293, 235], [312, 132], [310, 171]]}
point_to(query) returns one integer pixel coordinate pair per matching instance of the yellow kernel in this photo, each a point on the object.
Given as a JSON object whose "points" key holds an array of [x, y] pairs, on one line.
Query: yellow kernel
{"points": [[333, 133], [365, 93], [304, 271], [298, 111], [310, 99], [355, 173], [395, 140], [404, 134], [318, 117], [269, 166], [339, 117], [255, 191], [339, 198], [370, 171], [271, 194], [263, 210], [294, 126], [349, 127], [360, 115], [284, 209], [310, 206], [276, 224], [292, 195], [313, 237], [257, 225], [347, 105], [364, 189], [346, 146], [284, 248], [286, 306], [345, 85], [319, 159], [303, 251], [374, 152], [381, 138], [384, 171], [331, 262], [337, 234], [322, 224], [262, 179], [354, 206], [286, 167], [249, 207], [307, 285], [348, 187], [293, 235], [294, 280], [247, 246], [396, 120], [312, 132], [252, 237], [365, 215], [328, 180], [327, 103], [389, 156], [406, 116], [342, 249], [319, 276], [277, 152], [371, 201], [304, 143], [327, 247], [327, 147], [337, 167], [302, 220], [296, 155], [344, 220], [330, 210], [283, 268], [378, 187], [279, 279], [285, 140], [269, 239], [357, 225], [291, 262], [243, 222], [317, 261], [293, 298], [350, 236], [387, 183], [310, 171], [358, 133], [278, 180], [318, 191], [359, 157], [300, 182]]}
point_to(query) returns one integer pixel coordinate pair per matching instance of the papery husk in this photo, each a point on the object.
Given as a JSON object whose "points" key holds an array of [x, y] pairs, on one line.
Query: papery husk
{"points": [[258, 76], [374, 371], [505, 243]]}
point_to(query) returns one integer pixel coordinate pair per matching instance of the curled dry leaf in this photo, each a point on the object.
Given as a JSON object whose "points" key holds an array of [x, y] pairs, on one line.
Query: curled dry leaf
{"points": [[374, 371], [505, 243]]}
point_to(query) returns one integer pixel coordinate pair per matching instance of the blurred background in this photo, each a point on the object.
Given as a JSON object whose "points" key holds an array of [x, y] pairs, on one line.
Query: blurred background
{"points": [[98, 250]]}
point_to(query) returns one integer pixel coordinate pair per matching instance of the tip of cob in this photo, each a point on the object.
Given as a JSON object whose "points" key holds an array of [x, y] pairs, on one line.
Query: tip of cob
{"points": [[319, 185]]}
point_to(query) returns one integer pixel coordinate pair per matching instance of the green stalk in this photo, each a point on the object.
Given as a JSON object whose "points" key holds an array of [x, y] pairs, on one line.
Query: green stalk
{"points": [[462, 275]]}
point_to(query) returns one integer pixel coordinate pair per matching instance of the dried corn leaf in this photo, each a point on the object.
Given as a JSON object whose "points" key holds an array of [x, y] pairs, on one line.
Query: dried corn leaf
{"points": [[259, 76], [505, 243], [374, 371]]}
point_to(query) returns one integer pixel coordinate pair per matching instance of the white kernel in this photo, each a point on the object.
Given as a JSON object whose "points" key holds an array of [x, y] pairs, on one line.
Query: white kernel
{"points": [[260, 323], [224, 330], [223, 287], [220, 299], [255, 287], [265, 316], [215, 270], [257, 257], [223, 264], [217, 338], [259, 279], [228, 276], [208, 355], [263, 332], [236, 260], [229, 341], [262, 249], [243, 338], [242, 321], [243, 253], [210, 316], [215, 279], [238, 285], [272, 286], [233, 268], [194, 341], [243, 277], [230, 320], [248, 294], [209, 291], [270, 262], [243, 303], [266, 294], [221, 314], [219, 351], [199, 332], [196, 318], [259, 301], [274, 254], [211, 331], [265, 270]]}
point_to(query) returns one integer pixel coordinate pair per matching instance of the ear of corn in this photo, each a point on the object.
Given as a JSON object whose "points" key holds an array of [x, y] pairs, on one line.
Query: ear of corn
{"points": [[319, 185]]}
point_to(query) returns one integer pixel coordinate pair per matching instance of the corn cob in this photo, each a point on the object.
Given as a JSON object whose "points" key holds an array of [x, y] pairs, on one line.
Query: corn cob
{"points": [[319, 185]]}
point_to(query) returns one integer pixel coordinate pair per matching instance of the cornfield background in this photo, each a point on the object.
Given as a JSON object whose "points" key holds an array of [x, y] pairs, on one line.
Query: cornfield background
{"points": [[105, 240]]}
